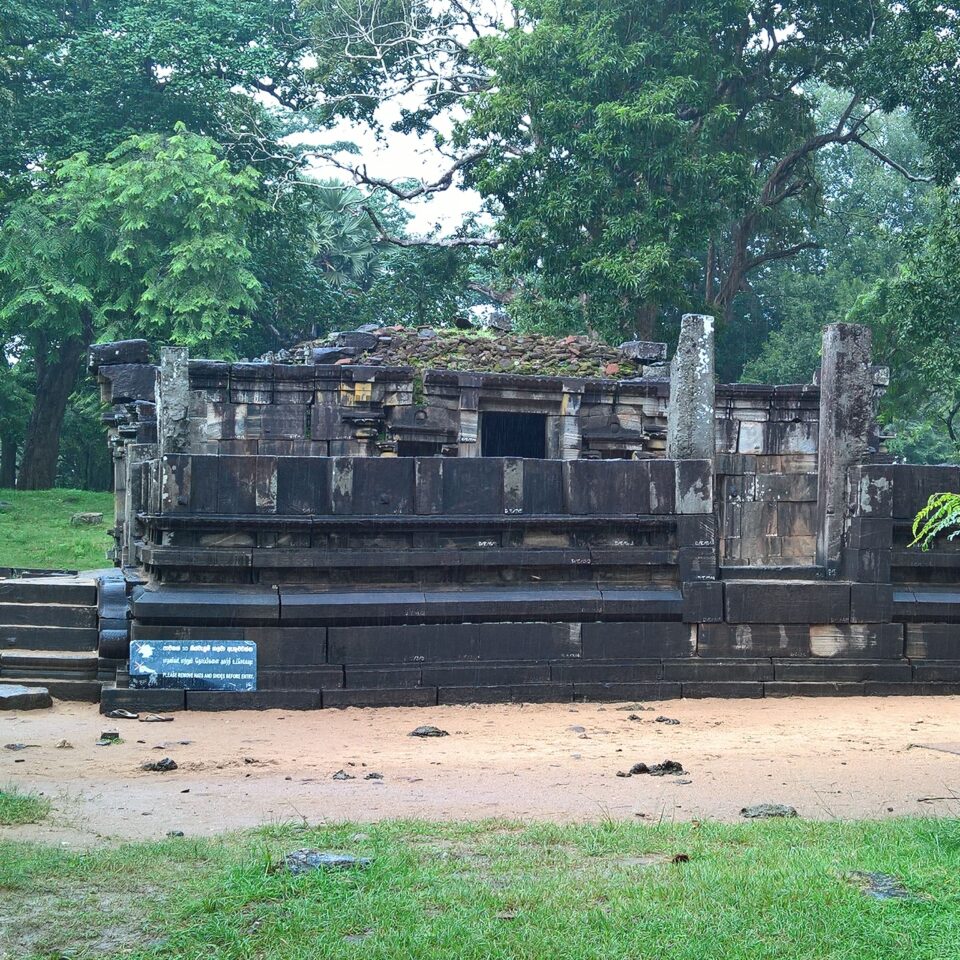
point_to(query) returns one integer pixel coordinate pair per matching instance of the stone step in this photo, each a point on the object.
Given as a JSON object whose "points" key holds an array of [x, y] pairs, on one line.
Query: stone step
{"points": [[785, 572], [84, 690], [55, 659], [46, 615], [22, 637], [74, 591]]}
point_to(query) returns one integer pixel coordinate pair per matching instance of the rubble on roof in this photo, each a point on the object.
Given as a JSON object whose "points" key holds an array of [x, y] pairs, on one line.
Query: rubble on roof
{"points": [[488, 351]]}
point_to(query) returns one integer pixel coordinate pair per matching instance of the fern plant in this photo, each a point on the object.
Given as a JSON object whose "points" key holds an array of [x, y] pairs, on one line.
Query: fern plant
{"points": [[942, 513]]}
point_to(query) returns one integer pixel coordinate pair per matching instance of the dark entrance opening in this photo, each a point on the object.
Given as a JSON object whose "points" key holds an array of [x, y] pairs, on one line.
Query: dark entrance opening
{"points": [[418, 448], [513, 435]]}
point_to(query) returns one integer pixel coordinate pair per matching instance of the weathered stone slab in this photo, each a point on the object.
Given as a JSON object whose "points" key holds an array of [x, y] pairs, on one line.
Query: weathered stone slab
{"points": [[753, 640], [690, 414], [17, 697], [851, 640], [793, 601]]}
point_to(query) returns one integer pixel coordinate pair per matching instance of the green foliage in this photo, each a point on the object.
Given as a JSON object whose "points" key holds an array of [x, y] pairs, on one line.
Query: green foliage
{"points": [[915, 315], [940, 515], [657, 156], [867, 209], [152, 239]]}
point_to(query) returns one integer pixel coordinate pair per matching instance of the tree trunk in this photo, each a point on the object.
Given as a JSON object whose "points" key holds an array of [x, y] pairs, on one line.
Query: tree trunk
{"points": [[8, 460], [56, 379]]}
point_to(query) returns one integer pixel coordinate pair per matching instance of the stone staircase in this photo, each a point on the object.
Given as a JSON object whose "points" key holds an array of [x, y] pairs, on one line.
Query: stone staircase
{"points": [[48, 634]]}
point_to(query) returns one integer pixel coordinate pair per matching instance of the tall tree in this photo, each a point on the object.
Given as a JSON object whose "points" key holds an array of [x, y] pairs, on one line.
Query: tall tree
{"points": [[150, 240], [655, 155]]}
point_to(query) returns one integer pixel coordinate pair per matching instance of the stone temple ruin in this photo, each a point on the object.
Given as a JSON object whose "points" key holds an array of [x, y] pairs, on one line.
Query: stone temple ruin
{"points": [[329, 528]]}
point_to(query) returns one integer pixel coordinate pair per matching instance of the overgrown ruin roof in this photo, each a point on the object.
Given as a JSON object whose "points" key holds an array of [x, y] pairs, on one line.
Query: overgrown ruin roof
{"points": [[485, 351]]}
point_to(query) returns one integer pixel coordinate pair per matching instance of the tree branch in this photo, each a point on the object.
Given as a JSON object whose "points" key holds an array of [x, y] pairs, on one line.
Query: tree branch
{"points": [[890, 162], [444, 182], [447, 244], [783, 253]]}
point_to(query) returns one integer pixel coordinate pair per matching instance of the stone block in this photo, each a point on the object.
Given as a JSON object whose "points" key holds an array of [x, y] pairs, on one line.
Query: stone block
{"points": [[701, 669], [753, 640], [792, 688], [871, 602], [787, 601], [691, 421], [866, 566], [153, 701], [870, 641], [227, 605], [870, 533], [382, 677], [512, 693], [641, 640], [118, 352], [915, 689], [933, 641], [752, 437], [913, 484], [703, 602], [790, 487], [607, 671], [303, 486], [842, 671], [16, 696], [254, 700], [935, 671], [328, 677], [128, 383], [700, 689], [611, 487], [403, 643], [486, 674], [620, 691], [641, 603], [529, 641], [694, 492], [397, 697]]}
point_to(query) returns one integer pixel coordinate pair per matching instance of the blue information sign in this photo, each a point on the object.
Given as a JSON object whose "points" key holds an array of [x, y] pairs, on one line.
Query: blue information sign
{"points": [[194, 664]]}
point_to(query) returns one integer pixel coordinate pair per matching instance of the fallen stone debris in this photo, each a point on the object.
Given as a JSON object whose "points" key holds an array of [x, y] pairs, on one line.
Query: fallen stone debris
{"points": [[428, 731], [669, 721], [664, 769], [306, 861], [15, 696], [161, 766], [760, 811], [343, 775]]}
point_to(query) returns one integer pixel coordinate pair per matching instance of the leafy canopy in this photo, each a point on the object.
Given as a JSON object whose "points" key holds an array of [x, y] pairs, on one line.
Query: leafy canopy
{"points": [[150, 240]]}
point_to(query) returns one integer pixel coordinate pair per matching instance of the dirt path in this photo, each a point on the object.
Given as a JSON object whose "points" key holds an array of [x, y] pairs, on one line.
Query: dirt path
{"points": [[844, 757]]}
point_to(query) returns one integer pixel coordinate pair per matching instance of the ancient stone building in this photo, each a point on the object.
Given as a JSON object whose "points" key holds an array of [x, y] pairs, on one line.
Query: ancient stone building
{"points": [[331, 527]]}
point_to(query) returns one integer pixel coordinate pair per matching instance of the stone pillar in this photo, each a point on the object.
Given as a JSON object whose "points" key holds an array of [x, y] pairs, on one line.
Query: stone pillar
{"points": [[846, 422], [173, 393], [690, 413]]}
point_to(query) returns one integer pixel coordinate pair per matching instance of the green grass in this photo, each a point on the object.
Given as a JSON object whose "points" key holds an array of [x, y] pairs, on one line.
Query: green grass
{"points": [[496, 891], [18, 807], [35, 529]]}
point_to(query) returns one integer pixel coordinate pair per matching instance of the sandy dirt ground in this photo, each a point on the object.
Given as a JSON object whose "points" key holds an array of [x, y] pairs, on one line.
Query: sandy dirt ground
{"points": [[830, 758]]}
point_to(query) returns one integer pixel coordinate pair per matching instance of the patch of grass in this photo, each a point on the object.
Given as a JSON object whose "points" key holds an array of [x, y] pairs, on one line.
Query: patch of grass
{"points": [[18, 807], [498, 891], [35, 529]]}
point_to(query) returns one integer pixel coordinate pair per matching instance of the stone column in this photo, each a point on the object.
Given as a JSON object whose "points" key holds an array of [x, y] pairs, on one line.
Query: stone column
{"points": [[690, 413], [173, 393], [846, 421]]}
